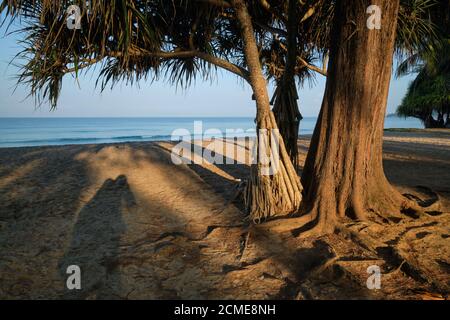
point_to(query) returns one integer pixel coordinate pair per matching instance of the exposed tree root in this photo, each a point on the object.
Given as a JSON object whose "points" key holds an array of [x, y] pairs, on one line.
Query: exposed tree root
{"points": [[431, 205], [274, 188], [396, 259], [333, 200]]}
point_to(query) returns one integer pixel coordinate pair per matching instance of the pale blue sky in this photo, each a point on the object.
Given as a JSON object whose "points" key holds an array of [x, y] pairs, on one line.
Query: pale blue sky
{"points": [[224, 97]]}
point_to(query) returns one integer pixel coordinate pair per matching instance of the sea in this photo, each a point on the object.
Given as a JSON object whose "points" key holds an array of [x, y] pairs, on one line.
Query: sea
{"points": [[26, 132]]}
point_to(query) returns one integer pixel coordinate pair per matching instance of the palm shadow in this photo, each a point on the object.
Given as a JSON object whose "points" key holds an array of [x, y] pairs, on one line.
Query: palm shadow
{"points": [[225, 187]]}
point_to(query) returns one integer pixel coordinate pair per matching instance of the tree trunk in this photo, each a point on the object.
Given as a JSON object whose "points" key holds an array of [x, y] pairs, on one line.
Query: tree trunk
{"points": [[440, 120], [285, 97], [431, 123], [288, 116], [343, 175], [267, 193]]}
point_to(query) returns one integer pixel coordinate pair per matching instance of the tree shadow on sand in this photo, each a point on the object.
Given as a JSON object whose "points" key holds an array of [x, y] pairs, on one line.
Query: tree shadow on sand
{"points": [[265, 254], [233, 172], [95, 241]]}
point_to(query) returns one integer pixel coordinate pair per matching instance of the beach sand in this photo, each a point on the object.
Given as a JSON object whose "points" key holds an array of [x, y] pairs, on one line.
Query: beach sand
{"points": [[141, 227]]}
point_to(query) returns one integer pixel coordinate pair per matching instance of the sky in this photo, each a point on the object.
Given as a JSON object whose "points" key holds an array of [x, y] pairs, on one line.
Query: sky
{"points": [[225, 96]]}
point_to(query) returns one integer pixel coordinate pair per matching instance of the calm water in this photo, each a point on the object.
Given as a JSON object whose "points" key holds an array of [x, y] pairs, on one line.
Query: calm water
{"points": [[19, 132]]}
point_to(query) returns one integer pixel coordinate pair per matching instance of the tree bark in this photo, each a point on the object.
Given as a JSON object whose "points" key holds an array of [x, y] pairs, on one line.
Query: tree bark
{"points": [[267, 194], [285, 98], [288, 116], [343, 174]]}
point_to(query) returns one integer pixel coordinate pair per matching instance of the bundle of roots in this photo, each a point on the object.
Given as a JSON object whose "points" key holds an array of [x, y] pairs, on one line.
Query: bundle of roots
{"points": [[274, 188]]}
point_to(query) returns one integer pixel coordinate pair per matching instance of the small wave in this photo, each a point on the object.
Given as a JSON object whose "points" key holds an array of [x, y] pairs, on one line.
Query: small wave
{"points": [[151, 138], [84, 140], [51, 140], [126, 137]]}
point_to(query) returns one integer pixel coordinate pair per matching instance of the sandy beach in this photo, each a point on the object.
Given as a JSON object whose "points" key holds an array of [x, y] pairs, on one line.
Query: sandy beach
{"points": [[142, 228]]}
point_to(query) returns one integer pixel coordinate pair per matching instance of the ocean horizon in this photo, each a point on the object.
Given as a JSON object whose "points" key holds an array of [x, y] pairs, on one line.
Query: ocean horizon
{"points": [[48, 131]]}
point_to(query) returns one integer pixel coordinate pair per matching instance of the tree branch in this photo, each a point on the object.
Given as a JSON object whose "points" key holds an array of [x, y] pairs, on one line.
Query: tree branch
{"points": [[89, 63], [312, 67], [218, 3], [224, 64], [266, 6], [306, 64], [272, 30], [309, 13], [221, 63]]}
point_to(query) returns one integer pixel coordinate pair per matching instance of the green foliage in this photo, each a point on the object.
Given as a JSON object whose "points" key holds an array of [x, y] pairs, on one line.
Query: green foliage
{"points": [[177, 40], [429, 94], [415, 32], [130, 40]]}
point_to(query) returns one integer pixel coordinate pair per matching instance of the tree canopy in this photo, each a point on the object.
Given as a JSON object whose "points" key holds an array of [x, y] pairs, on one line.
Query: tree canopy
{"points": [[179, 40], [256, 40], [428, 95]]}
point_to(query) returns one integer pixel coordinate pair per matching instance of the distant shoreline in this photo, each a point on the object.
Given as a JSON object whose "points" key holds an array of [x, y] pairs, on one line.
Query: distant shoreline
{"points": [[28, 132], [389, 132]]}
